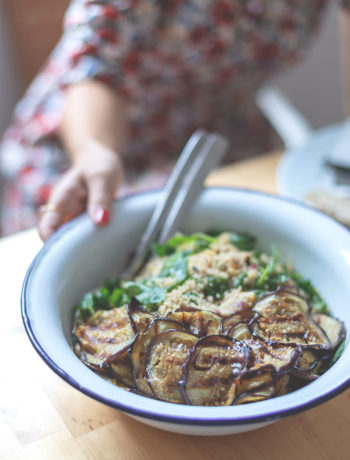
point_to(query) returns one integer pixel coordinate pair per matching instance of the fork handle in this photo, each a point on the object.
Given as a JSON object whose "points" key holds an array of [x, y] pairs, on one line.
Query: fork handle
{"points": [[208, 158]]}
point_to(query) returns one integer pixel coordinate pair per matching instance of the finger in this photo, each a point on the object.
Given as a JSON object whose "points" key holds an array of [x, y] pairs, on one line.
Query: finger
{"points": [[49, 222], [101, 191], [67, 200]]}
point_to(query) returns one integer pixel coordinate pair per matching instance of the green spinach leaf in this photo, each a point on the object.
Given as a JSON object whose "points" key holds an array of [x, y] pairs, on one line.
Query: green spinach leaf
{"points": [[243, 241], [195, 243], [148, 293], [216, 287], [176, 266]]}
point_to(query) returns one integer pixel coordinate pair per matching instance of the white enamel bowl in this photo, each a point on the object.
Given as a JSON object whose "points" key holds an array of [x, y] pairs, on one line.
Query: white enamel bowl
{"points": [[79, 257]]}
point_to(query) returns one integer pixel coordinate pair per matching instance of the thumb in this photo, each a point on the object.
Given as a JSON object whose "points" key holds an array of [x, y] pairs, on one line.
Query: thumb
{"points": [[101, 190]]}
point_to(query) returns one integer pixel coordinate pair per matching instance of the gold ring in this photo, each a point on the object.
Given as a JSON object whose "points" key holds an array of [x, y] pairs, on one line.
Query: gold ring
{"points": [[48, 207]]}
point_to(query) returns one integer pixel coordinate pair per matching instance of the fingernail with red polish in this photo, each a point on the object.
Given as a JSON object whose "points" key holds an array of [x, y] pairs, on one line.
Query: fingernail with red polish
{"points": [[101, 216]]}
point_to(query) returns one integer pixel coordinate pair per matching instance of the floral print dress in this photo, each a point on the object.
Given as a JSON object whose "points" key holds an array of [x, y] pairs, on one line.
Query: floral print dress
{"points": [[181, 65]]}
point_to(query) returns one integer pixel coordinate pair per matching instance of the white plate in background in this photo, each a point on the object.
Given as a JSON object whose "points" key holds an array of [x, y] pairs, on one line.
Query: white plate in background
{"points": [[303, 169]]}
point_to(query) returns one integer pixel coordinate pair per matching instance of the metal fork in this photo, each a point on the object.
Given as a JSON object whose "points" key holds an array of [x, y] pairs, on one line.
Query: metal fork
{"points": [[201, 154]]}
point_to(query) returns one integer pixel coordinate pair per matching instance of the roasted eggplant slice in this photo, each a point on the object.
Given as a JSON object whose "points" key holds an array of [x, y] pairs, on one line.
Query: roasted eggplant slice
{"points": [[239, 332], [280, 301], [166, 356], [333, 328], [281, 359], [251, 398], [121, 366], [139, 317], [282, 319], [140, 350], [230, 322], [306, 362], [256, 385], [198, 322], [102, 371], [282, 384], [104, 334], [307, 366], [210, 372]]}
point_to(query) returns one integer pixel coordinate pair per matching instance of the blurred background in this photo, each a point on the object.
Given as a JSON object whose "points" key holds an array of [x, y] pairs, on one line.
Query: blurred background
{"points": [[29, 29]]}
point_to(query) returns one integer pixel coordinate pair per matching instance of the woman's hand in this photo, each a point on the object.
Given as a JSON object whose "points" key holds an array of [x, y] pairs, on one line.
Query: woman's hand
{"points": [[90, 184]]}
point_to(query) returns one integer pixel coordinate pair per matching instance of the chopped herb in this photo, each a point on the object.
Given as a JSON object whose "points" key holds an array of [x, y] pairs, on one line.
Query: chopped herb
{"points": [[176, 266], [111, 284], [101, 299], [86, 306], [162, 249], [131, 288], [239, 281], [149, 294], [339, 352], [118, 298], [243, 241], [260, 292], [314, 297], [195, 243], [269, 268], [216, 287], [278, 279], [192, 296], [93, 301], [256, 254]]}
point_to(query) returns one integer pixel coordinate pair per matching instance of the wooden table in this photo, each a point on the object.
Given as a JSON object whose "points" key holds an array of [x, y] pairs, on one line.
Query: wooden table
{"points": [[42, 417]]}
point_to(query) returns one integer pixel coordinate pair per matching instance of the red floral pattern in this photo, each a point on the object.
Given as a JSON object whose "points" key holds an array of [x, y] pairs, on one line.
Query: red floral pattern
{"points": [[182, 64], [223, 12]]}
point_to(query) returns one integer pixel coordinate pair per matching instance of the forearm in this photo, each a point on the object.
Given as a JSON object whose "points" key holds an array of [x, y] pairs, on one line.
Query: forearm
{"points": [[93, 131], [93, 116]]}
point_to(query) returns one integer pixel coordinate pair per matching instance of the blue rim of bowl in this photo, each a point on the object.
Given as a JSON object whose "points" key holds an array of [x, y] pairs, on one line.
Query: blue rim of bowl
{"points": [[200, 421]]}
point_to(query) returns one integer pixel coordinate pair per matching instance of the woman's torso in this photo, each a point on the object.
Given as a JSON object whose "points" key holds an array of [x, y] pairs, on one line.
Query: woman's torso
{"points": [[201, 63], [182, 64]]}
